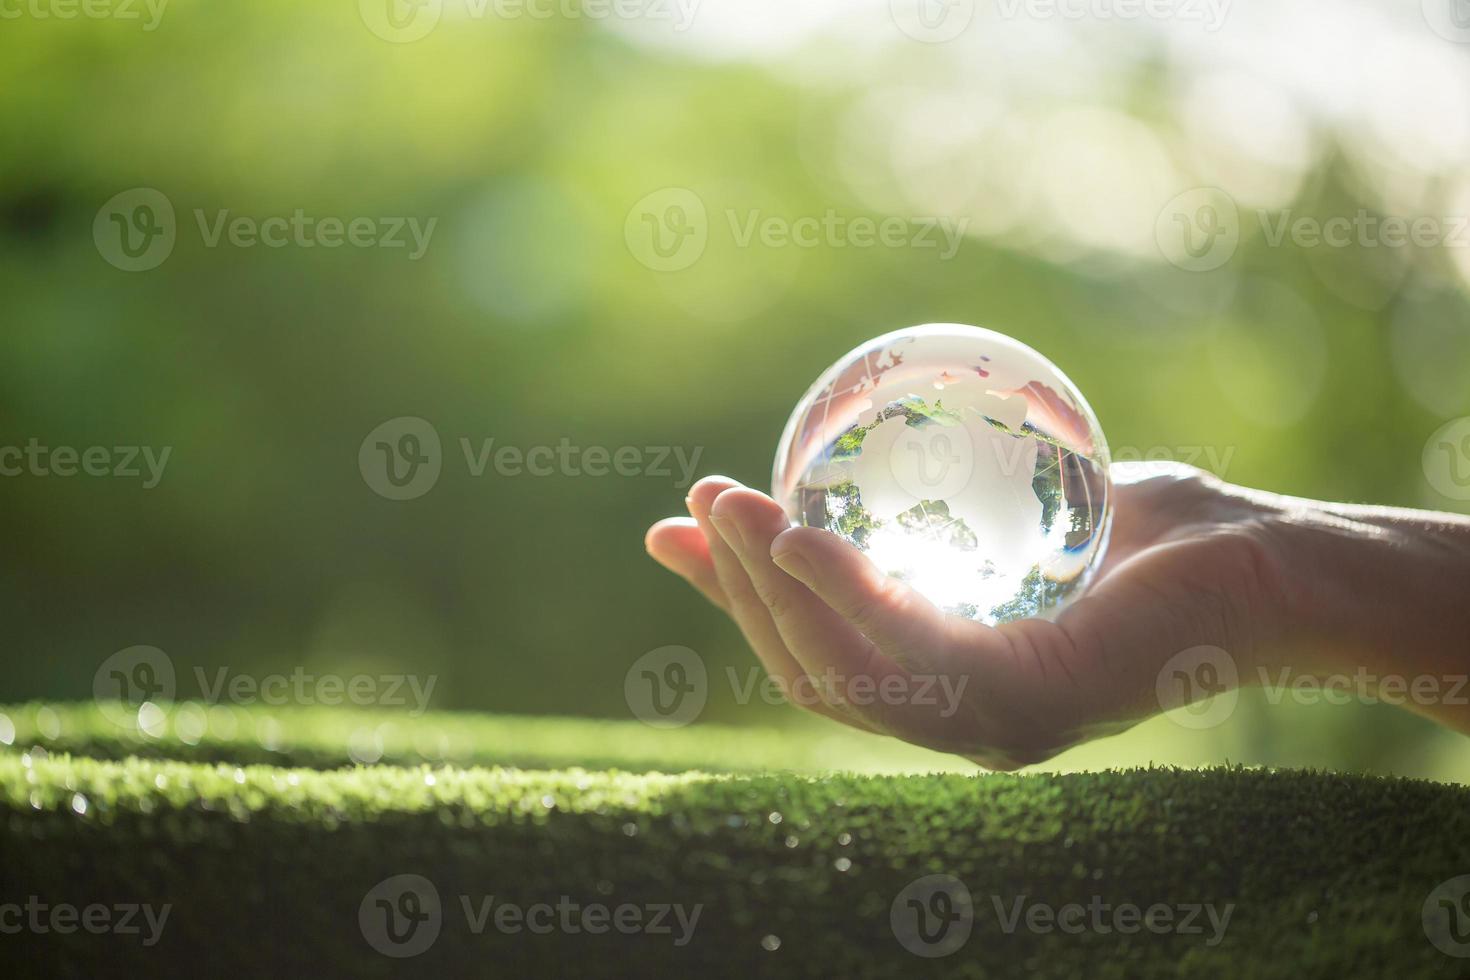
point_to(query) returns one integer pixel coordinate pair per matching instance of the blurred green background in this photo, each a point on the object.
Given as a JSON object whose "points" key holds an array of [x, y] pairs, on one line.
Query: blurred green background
{"points": [[537, 313]]}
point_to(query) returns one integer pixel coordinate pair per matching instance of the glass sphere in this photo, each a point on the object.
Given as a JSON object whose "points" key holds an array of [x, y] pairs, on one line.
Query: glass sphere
{"points": [[960, 461]]}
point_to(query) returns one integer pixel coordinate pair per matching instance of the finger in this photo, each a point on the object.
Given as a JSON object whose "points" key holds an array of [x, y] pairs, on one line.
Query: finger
{"points": [[745, 607], [907, 628], [678, 544], [912, 637], [827, 647]]}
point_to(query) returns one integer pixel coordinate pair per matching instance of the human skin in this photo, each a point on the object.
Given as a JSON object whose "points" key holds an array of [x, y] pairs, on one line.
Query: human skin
{"points": [[1284, 587]]}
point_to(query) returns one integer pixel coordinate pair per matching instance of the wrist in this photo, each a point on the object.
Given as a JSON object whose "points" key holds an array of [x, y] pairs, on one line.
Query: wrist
{"points": [[1368, 590]]}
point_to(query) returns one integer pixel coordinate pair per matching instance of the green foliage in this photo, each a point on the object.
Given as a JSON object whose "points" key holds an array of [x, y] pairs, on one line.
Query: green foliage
{"points": [[529, 320]]}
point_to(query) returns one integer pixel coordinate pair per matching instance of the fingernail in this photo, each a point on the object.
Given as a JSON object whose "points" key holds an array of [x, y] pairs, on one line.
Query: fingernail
{"points": [[794, 565], [730, 531]]}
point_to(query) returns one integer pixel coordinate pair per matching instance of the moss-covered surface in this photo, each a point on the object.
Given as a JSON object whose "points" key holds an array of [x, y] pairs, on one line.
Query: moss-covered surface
{"points": [[267, 868]]}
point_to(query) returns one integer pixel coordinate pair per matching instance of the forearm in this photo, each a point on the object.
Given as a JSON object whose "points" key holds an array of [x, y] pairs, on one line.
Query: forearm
{"points": [[1381, 595]]}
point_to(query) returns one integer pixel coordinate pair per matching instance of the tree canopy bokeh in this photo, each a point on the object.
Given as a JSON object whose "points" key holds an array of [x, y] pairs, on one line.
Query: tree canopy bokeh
{"points": [[818, 154]]}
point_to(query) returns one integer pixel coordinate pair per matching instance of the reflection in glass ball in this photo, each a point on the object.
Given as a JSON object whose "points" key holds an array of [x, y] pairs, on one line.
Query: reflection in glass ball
{"points": [[958, 460]]}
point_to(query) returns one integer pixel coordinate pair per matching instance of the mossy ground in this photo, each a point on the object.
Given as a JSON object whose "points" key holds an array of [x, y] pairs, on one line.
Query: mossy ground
{"points": [[267, 867]]}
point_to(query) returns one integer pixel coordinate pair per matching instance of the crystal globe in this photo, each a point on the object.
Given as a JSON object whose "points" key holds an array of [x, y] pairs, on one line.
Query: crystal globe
{"points": [[960, 461]]}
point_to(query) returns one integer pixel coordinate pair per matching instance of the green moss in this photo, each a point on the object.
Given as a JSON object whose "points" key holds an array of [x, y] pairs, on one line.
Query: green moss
{"points": [[266, 867]]}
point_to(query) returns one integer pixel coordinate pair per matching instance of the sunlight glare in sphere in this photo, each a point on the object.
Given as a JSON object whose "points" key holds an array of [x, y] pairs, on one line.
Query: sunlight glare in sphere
{"points": [[959, 460]]}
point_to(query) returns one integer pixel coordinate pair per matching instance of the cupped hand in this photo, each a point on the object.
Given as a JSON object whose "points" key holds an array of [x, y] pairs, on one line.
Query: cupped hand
{"points": [[1190, 564]]}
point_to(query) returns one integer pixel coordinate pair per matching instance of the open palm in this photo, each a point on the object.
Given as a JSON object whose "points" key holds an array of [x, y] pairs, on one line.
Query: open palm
{"points": [[1189, 565]]}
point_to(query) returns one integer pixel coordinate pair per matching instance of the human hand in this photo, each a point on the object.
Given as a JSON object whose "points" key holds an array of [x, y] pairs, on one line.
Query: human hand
{"points": [[1192, 562]]}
